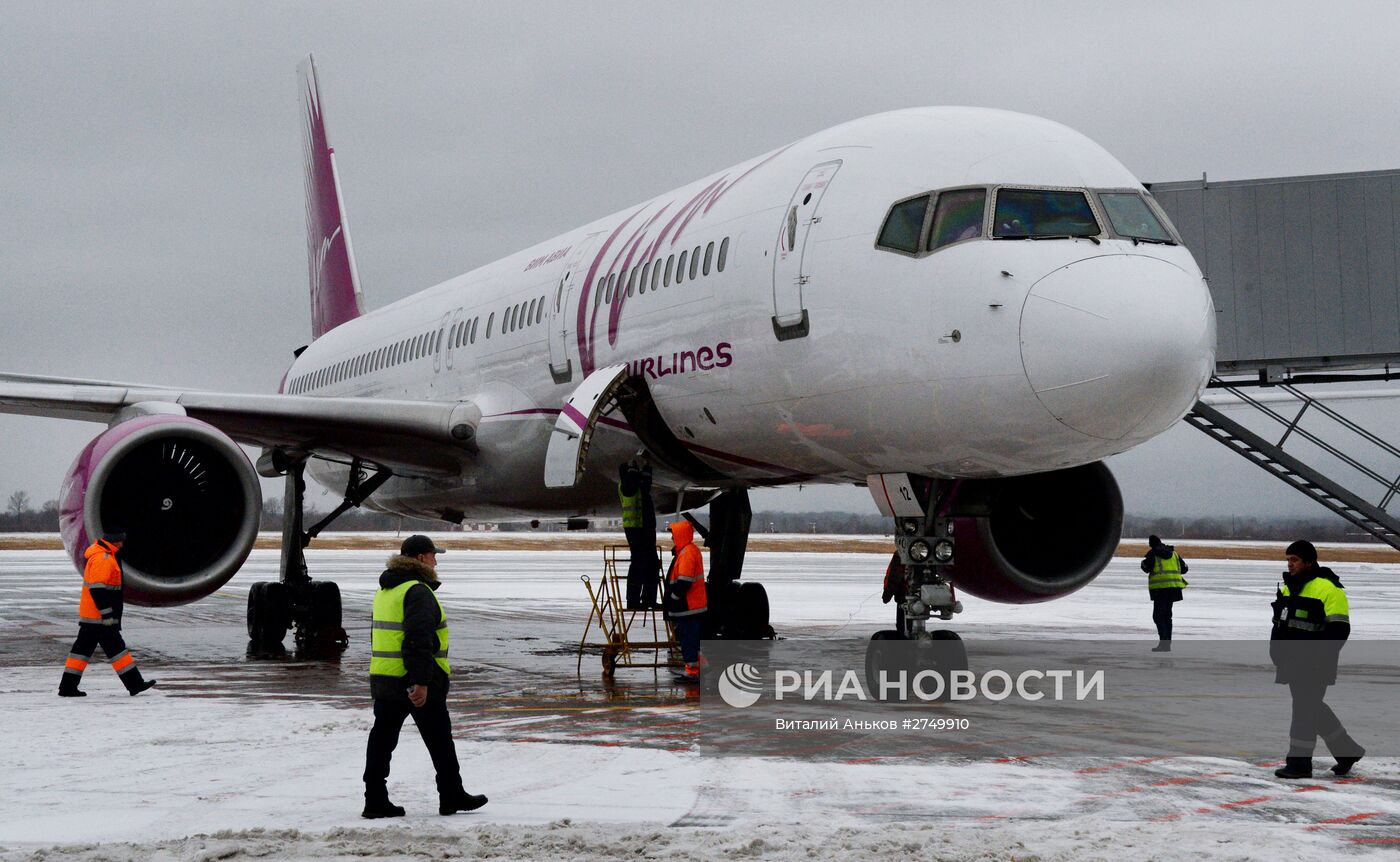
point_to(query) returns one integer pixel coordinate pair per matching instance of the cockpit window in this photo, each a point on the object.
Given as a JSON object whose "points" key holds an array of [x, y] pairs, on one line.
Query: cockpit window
{"points": [[904, 225], [958, 216], [1030, 214], [1131, 217]]}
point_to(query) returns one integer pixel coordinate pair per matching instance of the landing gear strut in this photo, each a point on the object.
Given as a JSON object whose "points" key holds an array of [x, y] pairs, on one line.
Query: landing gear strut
{"points": [[737, 610], [923, 533], [311, 607]]}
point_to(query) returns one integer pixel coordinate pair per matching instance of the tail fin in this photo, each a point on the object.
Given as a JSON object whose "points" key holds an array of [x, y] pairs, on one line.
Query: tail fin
{"points": [[335, 283]]}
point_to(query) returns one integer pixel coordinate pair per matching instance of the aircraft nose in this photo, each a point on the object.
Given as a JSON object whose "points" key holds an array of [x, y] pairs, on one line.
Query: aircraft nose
{"points": [[1119, 344]]}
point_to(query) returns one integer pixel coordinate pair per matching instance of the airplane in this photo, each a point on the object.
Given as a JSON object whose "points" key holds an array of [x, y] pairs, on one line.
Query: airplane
{"points": [[964, 309]]}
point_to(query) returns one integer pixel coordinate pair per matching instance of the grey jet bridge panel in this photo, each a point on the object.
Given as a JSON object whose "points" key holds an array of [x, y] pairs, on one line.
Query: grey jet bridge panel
{"points": [[1305, 271]]}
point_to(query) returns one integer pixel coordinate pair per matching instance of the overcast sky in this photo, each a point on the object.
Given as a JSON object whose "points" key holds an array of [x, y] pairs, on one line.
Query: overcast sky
{"points": [[151, 211]]}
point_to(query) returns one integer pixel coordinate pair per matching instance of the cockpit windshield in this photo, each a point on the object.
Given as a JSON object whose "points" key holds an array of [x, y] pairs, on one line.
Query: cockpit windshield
{"points": [[1032, 214], [1132, 218]]}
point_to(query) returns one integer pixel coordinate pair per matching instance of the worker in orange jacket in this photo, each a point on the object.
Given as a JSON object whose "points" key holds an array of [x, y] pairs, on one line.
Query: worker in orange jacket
{"points": [[685, 594], [100, 620]]}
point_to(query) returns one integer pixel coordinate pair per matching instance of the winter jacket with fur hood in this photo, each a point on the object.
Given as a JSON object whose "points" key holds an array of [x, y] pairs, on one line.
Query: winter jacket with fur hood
{"points": [[421, 620]]}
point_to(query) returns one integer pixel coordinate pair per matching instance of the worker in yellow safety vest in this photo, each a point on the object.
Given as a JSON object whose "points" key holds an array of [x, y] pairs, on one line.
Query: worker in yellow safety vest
{"points": [[1311, 623], [1164, 568], [409, 676], [639, 526], [100, 620]]}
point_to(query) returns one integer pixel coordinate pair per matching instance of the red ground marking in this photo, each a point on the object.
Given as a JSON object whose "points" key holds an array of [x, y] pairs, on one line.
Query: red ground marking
{"points": [[1186, 779], [1090, 770], [1240, 803], [1357, 780], [1350, 818], [680, 735], [1310, 788]]}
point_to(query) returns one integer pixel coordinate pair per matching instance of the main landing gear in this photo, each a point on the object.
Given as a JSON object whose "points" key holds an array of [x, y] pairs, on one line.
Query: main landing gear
{"points": [[924, 546], [737, 611], [296, 601]]}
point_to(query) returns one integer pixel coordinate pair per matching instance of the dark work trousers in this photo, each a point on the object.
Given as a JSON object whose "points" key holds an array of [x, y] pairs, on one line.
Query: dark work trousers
{"points": [[1313, 718], [90, 637], [644, 570], [434, 726], [1162, 616], [688, 633]]}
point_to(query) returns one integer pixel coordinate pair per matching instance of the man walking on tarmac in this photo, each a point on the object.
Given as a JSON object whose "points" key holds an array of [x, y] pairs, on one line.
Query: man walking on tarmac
{"points": [[685, 595], [100, 620], [1164, 568], [1311, 623], [409, 676], [639, 525]]}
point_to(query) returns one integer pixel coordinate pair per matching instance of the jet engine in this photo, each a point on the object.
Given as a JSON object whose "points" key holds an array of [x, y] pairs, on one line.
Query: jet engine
{"points": [[183, 492], [1035, 538]]}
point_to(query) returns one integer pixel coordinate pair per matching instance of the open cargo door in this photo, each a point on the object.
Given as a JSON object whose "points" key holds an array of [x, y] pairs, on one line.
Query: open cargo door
{"points": [[568, 446]]}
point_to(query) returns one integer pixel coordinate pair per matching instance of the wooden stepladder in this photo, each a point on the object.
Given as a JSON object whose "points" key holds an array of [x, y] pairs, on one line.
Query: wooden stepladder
{"points": [[629, 638]]}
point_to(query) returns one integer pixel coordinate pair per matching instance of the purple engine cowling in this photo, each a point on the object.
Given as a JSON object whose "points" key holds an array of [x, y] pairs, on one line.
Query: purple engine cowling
{"points": [[1035, 538], [184, 493]]}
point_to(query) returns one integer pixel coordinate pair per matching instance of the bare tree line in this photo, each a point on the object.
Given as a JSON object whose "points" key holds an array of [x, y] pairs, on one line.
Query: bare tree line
{"points": [[20, 516]]}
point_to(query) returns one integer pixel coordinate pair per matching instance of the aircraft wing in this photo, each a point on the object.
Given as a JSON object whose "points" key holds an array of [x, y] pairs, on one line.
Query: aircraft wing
{"points": [[410, 437]]}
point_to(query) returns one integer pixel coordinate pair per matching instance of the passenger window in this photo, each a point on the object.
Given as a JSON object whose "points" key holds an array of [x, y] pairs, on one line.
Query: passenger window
{"points": [[904, 225], [671, 259], [539, 311], [612, 283], [1131, 217], [792, 229], [631, 282], [530, 315], [957, 216], [723, 254], [655, 274], [694, 262], [709, 251], [642, 284], [490, 319], [680, 268], [1030, 214]]}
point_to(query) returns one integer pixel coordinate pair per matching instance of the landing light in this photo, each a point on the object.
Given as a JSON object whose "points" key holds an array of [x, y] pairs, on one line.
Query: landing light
{"points": [[919, 551], [943, 551]]}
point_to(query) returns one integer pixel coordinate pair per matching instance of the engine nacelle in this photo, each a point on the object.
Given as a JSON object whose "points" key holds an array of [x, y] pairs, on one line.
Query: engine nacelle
{"points": [[1035, 538], [185, 494]]}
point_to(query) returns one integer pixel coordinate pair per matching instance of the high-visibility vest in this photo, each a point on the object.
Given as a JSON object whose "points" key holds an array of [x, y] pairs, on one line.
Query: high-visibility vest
{"points": [[1166, 574], [386, 633], [631, 509], [689, 566], [101, 572], [1319, 602]]}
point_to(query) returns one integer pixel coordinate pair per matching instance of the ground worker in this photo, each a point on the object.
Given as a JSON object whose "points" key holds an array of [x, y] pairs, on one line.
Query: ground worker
{"points": [[1311, 623], [896, 585], [639, 525], [1164, 568], [100, 620], [409, 675], [685, 595]]}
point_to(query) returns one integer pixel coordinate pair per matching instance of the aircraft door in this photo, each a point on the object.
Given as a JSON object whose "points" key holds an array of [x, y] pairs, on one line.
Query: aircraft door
{"points": [[561, 367], [789, 313]]}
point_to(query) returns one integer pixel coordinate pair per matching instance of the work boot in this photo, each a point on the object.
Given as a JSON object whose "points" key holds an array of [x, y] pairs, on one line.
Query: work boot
{"points": [[134, 683], [377, 805], [1163, 646], [68, 686], [459, 800], [1343, 767], [1295, 767]]}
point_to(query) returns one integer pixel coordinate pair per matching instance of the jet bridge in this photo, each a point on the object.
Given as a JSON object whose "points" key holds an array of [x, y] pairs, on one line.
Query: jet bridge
{"points": [[1305, 275]]}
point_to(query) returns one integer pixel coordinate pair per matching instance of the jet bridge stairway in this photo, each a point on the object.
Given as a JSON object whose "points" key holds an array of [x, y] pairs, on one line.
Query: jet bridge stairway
{"points": [[1371, 517]]}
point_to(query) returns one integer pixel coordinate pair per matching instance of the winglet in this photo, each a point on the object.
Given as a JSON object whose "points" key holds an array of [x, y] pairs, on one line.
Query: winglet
{"points": [[335, 282]]}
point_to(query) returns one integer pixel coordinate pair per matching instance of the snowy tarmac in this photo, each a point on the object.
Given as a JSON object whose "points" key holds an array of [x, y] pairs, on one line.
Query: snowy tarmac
{"points": [[238, 755]]}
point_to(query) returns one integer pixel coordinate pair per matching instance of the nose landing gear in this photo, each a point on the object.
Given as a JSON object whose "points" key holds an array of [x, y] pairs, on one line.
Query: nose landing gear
{"points": [[924, 558]]}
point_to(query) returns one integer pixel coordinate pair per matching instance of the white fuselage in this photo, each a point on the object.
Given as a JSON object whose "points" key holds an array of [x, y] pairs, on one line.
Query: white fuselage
{"points": [[986, 358]]}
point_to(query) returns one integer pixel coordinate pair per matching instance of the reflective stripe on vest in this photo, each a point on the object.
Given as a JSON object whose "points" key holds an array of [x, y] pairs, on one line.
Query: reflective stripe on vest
{"points": [[631, 509], [1333, 600], [1166, 574], [386, 633]]}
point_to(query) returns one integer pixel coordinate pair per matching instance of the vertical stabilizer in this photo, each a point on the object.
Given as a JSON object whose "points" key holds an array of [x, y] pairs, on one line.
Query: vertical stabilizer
{"points": [[335, 283]]}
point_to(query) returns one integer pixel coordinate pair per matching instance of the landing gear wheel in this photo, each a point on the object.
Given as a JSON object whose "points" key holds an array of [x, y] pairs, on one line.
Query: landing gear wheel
{"points": [[751, 612], [946, 651], [267, 614], [323, 630], [881, 655]]}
